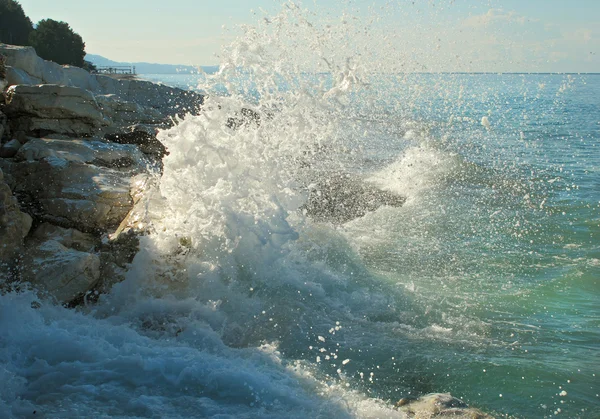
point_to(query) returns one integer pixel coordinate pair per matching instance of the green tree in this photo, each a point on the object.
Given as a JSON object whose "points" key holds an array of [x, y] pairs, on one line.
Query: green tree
{"points": [[15, 26], [89, 66], [57, 42]]}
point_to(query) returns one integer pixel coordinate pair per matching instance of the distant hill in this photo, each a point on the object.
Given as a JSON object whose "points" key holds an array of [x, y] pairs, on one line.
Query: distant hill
{"points": [[151, 68]]}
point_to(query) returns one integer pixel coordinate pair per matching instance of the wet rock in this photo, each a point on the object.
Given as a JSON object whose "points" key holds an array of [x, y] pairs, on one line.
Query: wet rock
{"points": [[10, 149], [122, 247], [46, 108], [14, 224], [122, 113], [340, 198], [54, 109], [439, 406], [3, 82], [3, 124], [63, 272], [77, 190], [70, 238], [77, 183], [119, 249], [142, 137], [21, 137], [169, 101], [2, 67]]}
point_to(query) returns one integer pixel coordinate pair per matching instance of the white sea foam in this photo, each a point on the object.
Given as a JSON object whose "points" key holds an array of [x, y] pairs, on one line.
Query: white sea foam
{"points": [[418, 169], [57, 362]]}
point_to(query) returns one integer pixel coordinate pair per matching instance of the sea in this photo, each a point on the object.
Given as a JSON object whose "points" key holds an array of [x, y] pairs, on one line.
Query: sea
{"points": [[484, 284]]}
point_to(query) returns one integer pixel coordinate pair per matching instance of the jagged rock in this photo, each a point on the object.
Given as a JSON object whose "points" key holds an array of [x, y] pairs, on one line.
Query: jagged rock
{"points": [[77, 183], [20, 135], [145, 140], [65, 273], [3, 123], [439, 406], [118, 250], [16, 76], [54, 109], [80, 190], [340, 198], [2, 67], [3, 82], [10, 149], [124, 113], [110, 275], [169, 101], [71, 238], [49, 108], [14, 224], [124, 246], [6, 166]]}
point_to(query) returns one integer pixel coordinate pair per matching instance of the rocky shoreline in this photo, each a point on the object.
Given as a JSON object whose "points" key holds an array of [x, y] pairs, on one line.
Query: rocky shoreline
{"points": [[77, 150]]}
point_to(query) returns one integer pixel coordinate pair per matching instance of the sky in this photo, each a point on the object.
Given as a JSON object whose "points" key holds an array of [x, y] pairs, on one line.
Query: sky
{"points": [[450, 35]]}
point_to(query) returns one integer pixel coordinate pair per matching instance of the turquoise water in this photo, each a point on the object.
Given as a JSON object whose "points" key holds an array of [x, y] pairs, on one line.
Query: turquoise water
{"points": [[511, 246], [484, 284], [491, 272]]}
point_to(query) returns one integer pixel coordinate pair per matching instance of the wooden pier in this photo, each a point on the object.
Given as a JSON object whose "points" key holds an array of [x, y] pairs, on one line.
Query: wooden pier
{"points": [[116, 70]]}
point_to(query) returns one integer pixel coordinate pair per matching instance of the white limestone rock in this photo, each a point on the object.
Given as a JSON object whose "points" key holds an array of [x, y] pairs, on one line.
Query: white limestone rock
{"points": [[63, 272], [16, 76], [24, 67], [53, 108], [78, 183]]}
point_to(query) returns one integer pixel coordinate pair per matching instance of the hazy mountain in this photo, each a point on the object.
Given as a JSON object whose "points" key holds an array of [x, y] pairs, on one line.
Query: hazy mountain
{"points": [[150, 68]]}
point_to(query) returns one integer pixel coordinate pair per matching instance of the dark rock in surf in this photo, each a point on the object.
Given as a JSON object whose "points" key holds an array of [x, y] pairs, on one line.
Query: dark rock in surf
{"points": [[10, 149], [142, 136], [246, 117], [439, 406], [340, 198]]}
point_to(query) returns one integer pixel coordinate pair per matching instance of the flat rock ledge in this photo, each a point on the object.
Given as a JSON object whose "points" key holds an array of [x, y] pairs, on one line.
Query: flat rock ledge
{"points": [[77, 152]]}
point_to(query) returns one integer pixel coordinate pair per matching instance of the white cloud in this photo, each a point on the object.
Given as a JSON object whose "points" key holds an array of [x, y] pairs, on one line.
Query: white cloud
{"points": [[495, 16]]}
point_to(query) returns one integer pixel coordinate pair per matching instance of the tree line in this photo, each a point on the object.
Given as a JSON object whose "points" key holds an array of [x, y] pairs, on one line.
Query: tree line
{"points": [[52, 40]]}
